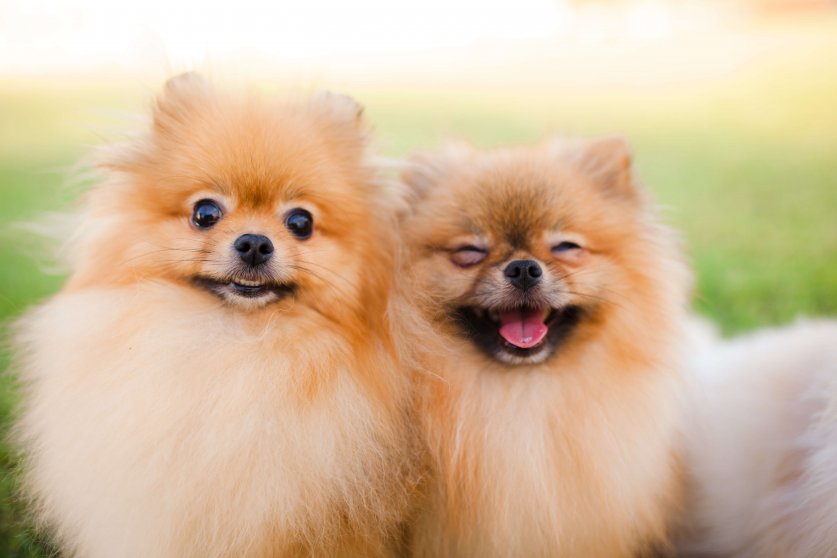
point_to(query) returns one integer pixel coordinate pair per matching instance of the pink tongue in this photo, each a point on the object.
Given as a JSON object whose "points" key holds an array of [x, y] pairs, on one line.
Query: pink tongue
{"points": [[523, 328]]}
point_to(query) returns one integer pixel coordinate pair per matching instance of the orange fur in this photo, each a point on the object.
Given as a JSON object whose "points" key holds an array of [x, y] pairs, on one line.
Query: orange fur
{"points": [[160, 420], [572, 456]]}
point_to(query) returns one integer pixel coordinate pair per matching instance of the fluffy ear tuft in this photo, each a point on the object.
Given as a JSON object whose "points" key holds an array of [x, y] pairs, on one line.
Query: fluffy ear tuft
{"points": [[181, 96], [608, 161], [425, 170], [187, 82], [339, 108]]}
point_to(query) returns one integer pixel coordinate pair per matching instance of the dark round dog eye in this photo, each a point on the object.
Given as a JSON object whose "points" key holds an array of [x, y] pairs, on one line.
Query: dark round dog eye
{"points": [[565, 246], [206, 214], [466, 256], [300, 223]]}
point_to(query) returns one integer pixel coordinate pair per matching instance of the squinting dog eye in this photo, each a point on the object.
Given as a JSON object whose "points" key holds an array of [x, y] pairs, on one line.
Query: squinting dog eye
{"points": [[467, 256], [300, 223], [565, 246], [206, 213]]}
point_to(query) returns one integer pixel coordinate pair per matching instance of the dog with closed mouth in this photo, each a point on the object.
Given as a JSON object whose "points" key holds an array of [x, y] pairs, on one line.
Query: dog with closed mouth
{"points": [[549, 300], [218, 377]]}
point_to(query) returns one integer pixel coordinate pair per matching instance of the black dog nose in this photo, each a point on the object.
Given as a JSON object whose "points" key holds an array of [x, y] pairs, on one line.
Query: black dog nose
{"points": [[254, 249], [523, 274]]}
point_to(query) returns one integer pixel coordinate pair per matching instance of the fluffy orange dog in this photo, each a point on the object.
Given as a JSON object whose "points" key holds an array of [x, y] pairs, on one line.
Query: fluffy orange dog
{"points": [[555, 296], [217, 378]]}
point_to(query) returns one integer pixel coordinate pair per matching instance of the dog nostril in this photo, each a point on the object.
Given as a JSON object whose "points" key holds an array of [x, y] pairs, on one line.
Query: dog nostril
{"points": [[512, 271], [534, 270], [243, 247], [266, 248]]}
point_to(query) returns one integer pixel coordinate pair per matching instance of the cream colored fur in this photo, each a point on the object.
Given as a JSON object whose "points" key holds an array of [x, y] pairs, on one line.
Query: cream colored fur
{"points": [[572, 456], [180, 431], [763, 446], [160, 420]]}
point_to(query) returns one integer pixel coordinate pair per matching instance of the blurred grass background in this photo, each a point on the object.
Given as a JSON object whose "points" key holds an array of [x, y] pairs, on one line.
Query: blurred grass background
{"points": [[745, 167]]}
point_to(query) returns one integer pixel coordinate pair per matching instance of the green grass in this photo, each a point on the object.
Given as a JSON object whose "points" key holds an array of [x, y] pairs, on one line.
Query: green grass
{"points": [[746, 168]]}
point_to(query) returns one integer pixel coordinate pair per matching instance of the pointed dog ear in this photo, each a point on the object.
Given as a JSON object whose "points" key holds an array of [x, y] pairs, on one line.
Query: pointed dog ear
{"points": [[342, 119], [424, 170], [182, 99], [338, 109], [609, 161], [182, 96]]}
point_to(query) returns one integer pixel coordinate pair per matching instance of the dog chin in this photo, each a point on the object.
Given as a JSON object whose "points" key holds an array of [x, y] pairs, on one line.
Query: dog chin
{"points": [[536, 355]]}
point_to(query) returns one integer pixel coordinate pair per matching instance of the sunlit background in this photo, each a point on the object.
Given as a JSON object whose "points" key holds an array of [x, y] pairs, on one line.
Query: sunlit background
{"points": [[731, 106]]}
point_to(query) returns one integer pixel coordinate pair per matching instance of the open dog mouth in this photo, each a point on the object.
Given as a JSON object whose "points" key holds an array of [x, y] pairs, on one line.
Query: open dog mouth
{"points": [[525, 334], [245, 288]]}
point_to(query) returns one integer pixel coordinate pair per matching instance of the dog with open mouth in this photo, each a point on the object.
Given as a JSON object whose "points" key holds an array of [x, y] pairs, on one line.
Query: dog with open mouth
{"points": [[550, 301], [219, 377]]}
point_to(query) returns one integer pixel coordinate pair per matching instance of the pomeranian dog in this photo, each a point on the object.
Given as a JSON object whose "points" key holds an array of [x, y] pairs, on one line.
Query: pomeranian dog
{"points": [[218, 376], [550, 300], [762, 446]]}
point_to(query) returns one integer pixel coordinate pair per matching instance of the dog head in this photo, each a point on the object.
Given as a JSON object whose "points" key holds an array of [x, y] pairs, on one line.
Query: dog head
{"points": [[518, 251], [248, 200]]}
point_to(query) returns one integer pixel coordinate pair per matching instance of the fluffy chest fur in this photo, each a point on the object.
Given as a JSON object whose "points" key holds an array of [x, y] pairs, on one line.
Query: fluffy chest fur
{"points": [[178, 430], [571, 462]]}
